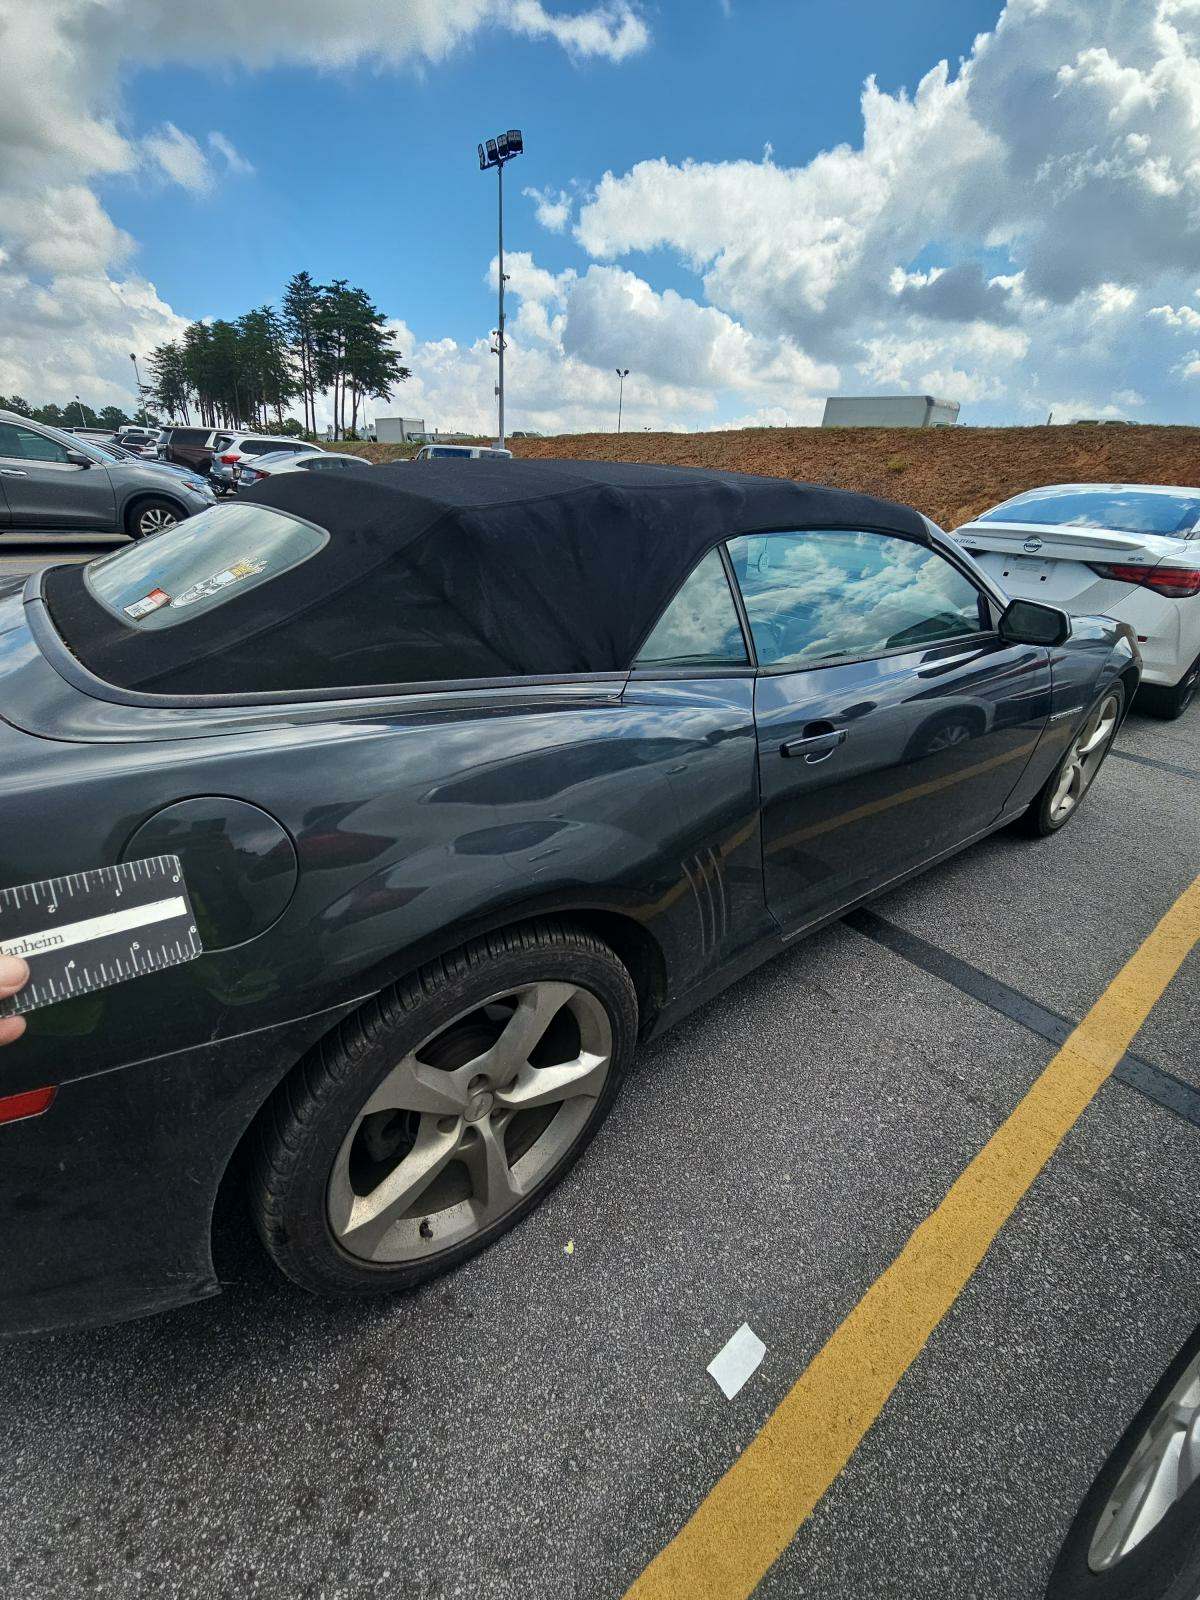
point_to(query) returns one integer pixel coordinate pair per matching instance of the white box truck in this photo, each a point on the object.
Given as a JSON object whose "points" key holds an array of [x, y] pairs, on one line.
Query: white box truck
{"points": [[398, 430], [889, 411]]}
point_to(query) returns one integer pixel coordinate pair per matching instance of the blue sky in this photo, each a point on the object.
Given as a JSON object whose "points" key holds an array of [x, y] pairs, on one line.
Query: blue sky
{"points": [[751, 203], [371, 174]]}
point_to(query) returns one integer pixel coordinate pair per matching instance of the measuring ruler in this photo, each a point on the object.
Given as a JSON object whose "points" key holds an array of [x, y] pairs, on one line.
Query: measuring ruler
{"points": [[90, 930]]}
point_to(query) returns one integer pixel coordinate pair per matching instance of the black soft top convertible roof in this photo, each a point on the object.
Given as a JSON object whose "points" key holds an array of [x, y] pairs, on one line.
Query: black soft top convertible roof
{"points": [[458, 569]]}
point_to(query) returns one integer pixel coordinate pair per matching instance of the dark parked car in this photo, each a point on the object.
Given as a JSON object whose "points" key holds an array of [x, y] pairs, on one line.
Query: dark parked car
{"points": [[477, 776], [188, 447]]}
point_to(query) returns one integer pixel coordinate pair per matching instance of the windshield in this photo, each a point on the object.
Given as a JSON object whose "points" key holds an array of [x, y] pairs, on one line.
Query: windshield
{"points": [[101, 452], [197, 565], [1118, 509]]}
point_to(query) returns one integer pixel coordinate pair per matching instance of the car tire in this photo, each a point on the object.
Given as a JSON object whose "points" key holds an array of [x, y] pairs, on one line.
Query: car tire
{"points": [[336, 1142], [1165, 1564], [153, 515], [1050, 810], [1169, 703]]}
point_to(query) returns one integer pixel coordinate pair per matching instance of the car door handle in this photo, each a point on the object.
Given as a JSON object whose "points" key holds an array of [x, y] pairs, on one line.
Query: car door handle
{"points": [[816, 747], [12, 472]]}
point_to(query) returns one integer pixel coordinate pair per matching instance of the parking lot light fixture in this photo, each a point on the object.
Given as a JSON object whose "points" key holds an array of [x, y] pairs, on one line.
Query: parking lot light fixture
{"points": [[137, 378], [494, 153], [622, 375]]}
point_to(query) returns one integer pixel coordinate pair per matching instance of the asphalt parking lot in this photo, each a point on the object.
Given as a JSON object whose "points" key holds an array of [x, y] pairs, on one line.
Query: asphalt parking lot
{"points": [[542, 1425]]}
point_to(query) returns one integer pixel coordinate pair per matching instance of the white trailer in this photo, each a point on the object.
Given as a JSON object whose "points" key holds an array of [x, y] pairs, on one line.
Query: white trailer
{"points": [[398, 430], [889, 411]]}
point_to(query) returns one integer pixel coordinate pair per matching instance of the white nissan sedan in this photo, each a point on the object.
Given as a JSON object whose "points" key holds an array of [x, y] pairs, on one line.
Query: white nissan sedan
{"points": [[1128, 550]]}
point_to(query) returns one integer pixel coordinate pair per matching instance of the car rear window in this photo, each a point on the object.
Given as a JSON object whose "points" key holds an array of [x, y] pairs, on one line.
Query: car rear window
{"points": [[200, 564], [1120, 510]]}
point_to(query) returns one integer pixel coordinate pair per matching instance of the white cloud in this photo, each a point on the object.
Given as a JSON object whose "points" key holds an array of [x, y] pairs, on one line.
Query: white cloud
{"points": [[1113, 300], [234, 160], [61, 229], [73, 334], [1075, 408], [553, 207], [615, 318], [179, 158], [569, 335], [926, 365], [614, 31], [1067, 141], [1177, 316]]}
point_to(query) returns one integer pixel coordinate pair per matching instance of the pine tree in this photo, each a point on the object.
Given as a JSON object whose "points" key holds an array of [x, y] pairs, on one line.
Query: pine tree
{"points": [[171, 388], [301, 304], [372, 365]]}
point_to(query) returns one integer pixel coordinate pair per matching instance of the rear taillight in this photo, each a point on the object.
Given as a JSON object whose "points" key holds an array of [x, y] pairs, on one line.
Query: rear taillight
{"points": [[229, 460], [16, 1107], [1176, 583]]}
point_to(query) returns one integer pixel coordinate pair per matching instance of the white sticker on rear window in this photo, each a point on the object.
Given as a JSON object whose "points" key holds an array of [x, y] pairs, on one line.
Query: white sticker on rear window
{"points": [[148, 603], [234, 573]]}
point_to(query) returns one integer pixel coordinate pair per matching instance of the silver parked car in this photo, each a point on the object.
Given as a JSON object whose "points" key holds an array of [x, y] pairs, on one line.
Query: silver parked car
{"points": [[230, 449], [247, 474], [142, 441], [54, 482]]}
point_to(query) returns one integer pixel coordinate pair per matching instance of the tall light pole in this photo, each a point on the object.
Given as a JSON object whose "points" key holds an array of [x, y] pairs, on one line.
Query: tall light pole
{"points": [[494, 153], [82, 418], [621, 395], [138, 381]]}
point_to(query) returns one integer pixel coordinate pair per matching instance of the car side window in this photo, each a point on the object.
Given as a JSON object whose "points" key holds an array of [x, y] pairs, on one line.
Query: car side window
{"points": [[700, 627], [828, 595], [26, 445]]}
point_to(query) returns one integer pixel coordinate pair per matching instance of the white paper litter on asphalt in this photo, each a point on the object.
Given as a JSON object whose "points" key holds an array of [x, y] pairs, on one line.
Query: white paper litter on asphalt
{"points": [[731, 1366]]}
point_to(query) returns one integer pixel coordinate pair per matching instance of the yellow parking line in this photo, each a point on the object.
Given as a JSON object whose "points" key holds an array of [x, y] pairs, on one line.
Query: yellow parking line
{"points": [[751, 1515]]}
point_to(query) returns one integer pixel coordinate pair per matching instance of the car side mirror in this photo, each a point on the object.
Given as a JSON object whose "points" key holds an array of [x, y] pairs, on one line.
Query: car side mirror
{"points": [[1031, 622], [77, 458]]}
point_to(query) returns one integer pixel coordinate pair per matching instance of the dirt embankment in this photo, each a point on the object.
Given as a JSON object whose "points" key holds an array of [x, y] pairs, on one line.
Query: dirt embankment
{"points": [[951, 474]]}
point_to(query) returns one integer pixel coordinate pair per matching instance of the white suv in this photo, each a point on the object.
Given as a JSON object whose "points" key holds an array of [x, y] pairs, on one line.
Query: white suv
{"points": [[230, 448]]}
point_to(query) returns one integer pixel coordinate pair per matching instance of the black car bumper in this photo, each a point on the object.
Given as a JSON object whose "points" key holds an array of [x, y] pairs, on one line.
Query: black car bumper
{"points": [[108, 1196]]}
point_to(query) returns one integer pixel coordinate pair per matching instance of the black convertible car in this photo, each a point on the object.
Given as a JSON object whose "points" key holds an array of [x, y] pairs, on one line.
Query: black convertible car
{"points": [[476, 777]]}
